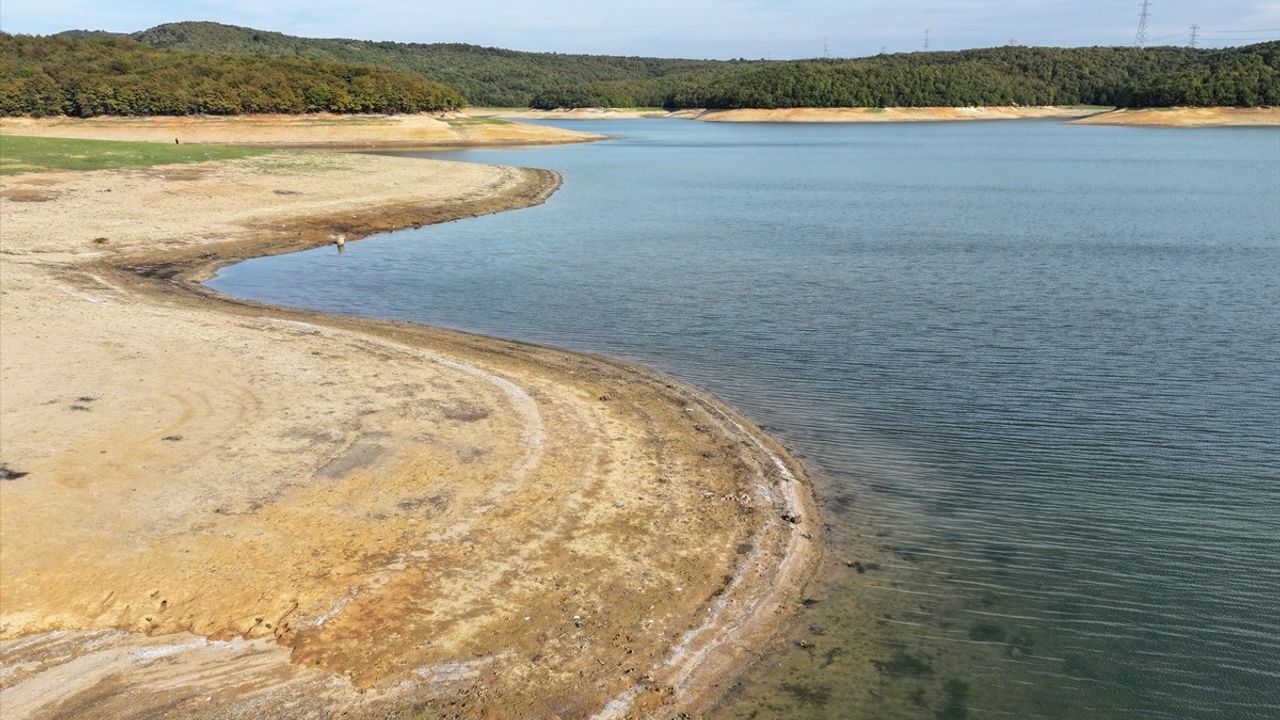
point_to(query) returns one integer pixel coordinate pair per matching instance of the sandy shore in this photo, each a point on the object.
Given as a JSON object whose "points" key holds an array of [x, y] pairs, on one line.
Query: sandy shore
{"points": [[319, 130], [567, 114], [1189, 117], [215, 508], [870, 115]]}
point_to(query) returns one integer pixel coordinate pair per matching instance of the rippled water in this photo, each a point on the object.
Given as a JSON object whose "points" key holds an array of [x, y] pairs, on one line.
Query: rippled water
{"points": [[1034, 367]]}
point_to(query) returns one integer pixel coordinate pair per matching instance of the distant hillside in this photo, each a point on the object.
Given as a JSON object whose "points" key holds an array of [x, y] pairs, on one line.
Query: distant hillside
{"points": [[485, 76], [93, 74], [1118, 76]]}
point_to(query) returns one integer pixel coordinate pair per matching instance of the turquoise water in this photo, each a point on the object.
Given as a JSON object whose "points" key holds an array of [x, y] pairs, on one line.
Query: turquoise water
{"points": [[1035, 369]]}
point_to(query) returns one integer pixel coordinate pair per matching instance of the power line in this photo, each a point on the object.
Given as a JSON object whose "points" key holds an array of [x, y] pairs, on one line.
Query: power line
{"points": [[1260, 30], [1140, 39]]}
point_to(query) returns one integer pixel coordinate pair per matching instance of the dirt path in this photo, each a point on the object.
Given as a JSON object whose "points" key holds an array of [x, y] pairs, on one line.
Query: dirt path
{"points": [[230, 509]]}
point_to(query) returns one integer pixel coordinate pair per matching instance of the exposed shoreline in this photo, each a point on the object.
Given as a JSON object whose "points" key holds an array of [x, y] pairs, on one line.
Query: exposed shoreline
{"points": [[1188, 117], [600, 113], [712, 623], [1153, 117], [888, 115], [800, 115], [319, 130]]}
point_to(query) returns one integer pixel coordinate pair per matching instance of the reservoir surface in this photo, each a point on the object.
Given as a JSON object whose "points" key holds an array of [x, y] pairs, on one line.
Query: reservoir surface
{"points": [[1034, 369]]}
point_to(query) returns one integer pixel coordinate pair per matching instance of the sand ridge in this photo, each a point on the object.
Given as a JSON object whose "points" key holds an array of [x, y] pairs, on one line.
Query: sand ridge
{"points": [[231, 508]]}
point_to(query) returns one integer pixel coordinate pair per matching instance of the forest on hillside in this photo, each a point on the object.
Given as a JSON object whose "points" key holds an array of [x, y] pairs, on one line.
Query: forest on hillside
{"points": [[204, 67], [485, 76], [1123, 77], [90, 76], [1120, 76]]}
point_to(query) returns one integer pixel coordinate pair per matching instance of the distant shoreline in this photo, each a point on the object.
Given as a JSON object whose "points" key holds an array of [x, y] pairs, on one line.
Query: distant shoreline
{"points": [[1167, 117], [494, 127], [893, 114], [1188, 117]]}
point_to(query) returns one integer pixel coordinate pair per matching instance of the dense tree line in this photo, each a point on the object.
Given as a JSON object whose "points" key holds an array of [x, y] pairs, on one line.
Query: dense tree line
{"points": [[89, 76], [1125, 77]]}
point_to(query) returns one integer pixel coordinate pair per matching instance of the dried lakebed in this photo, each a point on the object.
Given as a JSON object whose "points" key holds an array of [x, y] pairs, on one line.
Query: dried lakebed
{"points": [[228, 507]]}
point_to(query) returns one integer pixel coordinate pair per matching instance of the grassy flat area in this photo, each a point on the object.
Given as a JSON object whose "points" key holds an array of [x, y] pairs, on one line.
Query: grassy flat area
{"points": [[20, 154]]}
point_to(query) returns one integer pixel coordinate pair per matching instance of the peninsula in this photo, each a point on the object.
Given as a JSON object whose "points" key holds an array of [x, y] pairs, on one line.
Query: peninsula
{"points": [[212, 506]]}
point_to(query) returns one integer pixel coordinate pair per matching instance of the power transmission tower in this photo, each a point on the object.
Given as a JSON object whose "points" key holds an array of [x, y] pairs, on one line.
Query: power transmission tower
{"points": [[1140, 40], [1195, 36], [826, 46], [928, 32]]}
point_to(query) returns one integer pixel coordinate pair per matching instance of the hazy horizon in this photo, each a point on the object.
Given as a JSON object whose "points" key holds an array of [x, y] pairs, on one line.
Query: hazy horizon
{"points": [[709, 29]]}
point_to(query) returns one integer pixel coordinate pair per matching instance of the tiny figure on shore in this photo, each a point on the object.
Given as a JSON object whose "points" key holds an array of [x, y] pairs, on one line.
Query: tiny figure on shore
{"points": [[175, 141], [341, 241]]}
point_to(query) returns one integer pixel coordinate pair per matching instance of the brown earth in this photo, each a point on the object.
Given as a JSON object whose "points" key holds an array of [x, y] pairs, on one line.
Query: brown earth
{"points": [[215, 508], [1189, 117], [318, 130]]}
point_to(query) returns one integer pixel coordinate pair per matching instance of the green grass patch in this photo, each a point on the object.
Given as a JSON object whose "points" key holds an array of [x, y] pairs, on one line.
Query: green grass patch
{"points": [[21, 154]]}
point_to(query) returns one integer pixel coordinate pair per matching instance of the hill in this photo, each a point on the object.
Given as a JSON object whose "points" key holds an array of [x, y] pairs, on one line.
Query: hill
{"points": [[1115, 76], [485, 76], [103, 75]]}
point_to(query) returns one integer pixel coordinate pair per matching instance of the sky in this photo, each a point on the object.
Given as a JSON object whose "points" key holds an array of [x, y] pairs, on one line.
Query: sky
{"points": [[685, 28]]}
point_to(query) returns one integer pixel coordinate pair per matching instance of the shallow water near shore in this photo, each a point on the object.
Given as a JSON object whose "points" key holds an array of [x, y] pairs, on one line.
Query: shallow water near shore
{"points": [[1034, 368]]}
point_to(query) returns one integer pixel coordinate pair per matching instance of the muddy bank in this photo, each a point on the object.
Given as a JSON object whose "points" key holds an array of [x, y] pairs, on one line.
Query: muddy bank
{"points": [[234, 508]]}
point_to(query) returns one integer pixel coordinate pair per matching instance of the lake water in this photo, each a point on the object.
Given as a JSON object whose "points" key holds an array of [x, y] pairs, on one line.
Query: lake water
{"points": [[1034, 368]]}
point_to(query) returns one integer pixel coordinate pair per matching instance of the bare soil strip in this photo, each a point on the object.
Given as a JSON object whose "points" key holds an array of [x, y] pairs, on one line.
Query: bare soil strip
{"points": [[799, 115], [217, 508], [893, 114], [1189, 117]]}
